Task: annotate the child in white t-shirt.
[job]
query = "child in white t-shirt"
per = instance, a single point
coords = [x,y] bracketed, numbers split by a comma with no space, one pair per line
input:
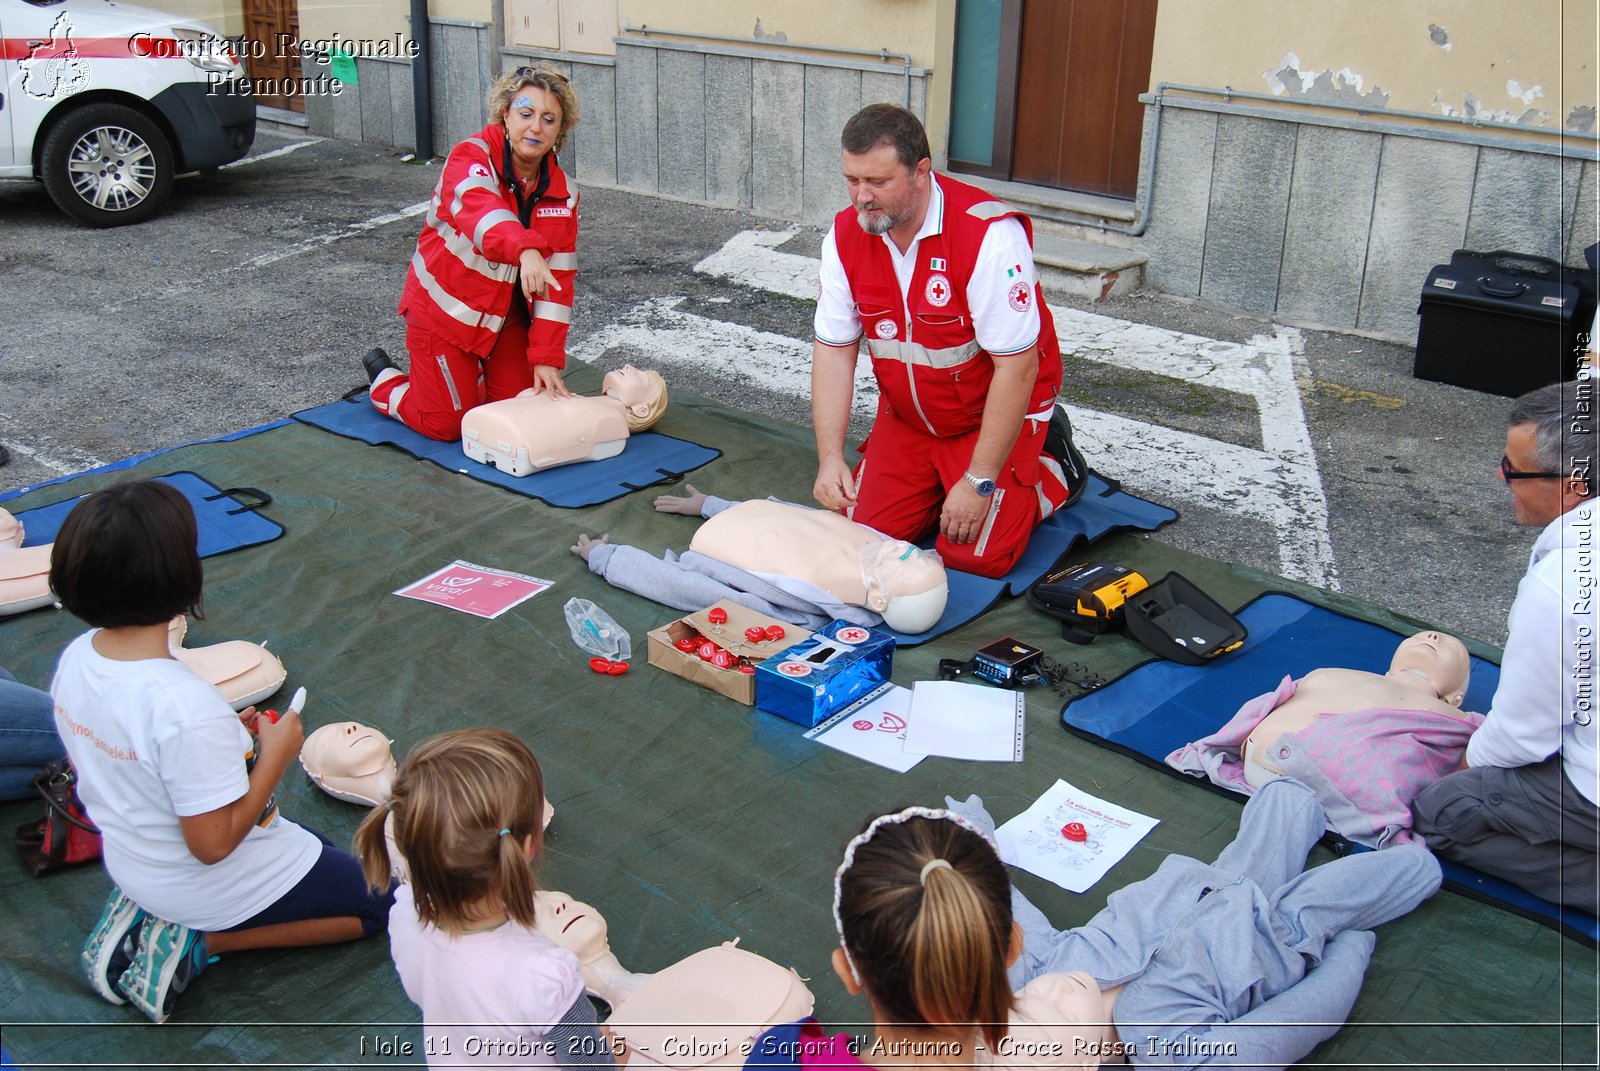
[202,861]
[467,818]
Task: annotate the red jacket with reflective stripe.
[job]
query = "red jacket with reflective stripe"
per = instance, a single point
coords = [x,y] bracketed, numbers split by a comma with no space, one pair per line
[930,368]
[462,278]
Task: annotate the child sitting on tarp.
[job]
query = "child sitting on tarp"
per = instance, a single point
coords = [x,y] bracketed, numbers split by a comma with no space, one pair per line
[1367,743]
[203,861]
[794,563]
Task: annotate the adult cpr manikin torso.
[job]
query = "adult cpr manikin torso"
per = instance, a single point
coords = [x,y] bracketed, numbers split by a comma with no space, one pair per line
[540,430]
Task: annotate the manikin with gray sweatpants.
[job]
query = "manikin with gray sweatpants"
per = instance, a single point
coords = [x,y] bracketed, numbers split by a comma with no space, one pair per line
[1251,954]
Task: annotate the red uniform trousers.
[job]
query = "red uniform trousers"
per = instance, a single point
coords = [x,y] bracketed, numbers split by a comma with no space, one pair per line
[446,380]
[904,474]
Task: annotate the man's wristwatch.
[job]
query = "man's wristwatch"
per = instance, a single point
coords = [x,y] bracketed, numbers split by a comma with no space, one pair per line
[980,485]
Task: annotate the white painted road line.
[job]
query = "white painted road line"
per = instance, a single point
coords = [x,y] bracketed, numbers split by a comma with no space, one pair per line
[57,457]
[318,241]
[269,155]
[1280,483]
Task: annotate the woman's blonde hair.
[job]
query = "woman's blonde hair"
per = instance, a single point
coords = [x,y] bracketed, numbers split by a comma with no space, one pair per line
[506,87]
[463,804]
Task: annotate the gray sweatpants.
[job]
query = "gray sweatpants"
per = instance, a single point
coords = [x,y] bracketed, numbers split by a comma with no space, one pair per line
[1526,824]
[1249,961]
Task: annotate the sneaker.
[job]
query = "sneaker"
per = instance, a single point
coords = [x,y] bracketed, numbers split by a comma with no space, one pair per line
[112,944]
[168,959]
[376,362]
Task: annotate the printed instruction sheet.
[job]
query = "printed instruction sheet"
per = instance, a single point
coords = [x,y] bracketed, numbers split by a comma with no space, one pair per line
[1035,839]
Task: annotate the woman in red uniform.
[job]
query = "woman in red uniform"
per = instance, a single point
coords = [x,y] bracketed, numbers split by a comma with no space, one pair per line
[488,298]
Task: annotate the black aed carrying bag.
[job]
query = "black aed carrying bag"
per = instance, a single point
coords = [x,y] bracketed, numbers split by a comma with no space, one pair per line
[1501,322]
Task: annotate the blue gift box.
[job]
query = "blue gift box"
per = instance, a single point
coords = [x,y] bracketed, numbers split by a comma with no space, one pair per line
[811,680]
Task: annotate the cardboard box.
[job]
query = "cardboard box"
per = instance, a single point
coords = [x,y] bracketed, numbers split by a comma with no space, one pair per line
[814,678]
[741,687]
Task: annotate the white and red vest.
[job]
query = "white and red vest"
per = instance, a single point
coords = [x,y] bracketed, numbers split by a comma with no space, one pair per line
[930,369]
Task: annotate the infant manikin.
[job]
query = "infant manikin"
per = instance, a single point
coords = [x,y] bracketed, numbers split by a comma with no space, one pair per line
[727,995]
[1429,671]
[535,431]
[351,762]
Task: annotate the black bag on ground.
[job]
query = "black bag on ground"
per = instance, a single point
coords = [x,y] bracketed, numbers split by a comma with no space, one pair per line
[1059,445]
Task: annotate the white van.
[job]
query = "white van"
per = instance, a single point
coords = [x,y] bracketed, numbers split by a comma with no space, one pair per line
[105,103]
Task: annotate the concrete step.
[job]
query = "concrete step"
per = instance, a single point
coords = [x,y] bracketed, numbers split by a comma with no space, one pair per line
[1086,270]
[280,121]
[1066,213]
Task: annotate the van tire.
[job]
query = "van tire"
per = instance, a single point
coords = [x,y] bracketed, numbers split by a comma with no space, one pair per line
[138,176]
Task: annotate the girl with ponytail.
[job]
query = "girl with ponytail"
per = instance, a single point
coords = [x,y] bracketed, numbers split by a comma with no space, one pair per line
[922,905]
[467,818]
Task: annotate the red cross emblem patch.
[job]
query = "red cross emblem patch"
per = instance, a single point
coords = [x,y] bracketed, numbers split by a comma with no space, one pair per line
[1019,296]
[937,290]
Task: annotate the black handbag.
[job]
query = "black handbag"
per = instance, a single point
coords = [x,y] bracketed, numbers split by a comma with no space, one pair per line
[64,837]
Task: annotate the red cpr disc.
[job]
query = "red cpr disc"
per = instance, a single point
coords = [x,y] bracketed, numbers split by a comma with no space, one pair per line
[1074,831]
[723,659]
[617,669]
[270,715]
[755,634]
[600,665]
[717,615]
[746,667]
[687,644]
[707,650]
[774,632]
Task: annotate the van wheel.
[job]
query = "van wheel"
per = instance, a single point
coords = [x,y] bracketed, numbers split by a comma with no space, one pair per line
[107,165]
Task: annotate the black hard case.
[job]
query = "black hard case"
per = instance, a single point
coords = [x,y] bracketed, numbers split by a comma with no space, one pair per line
[1500,322]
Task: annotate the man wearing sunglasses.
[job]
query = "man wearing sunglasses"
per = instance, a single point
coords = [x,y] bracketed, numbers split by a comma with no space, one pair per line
[1524,809]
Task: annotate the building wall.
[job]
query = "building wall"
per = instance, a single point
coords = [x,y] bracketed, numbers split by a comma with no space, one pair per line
[1334,221]
[1531,62]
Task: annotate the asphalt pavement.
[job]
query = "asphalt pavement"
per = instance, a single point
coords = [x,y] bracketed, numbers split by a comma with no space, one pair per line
[257,291]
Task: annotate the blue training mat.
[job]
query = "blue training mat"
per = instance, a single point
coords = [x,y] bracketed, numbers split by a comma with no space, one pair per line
[648,459]
[1159,706]
[226,522]
[1104,508]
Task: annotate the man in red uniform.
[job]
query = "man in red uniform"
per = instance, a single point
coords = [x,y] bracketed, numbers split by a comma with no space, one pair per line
[938,277]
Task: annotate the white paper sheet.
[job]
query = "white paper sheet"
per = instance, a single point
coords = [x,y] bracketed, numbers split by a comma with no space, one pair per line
[966,721]
[1033,839]
[874,730]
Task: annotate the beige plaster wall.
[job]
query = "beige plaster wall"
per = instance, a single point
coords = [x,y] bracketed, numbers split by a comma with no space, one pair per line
[381,19]
[1531,62]
[225,16]
[925,29]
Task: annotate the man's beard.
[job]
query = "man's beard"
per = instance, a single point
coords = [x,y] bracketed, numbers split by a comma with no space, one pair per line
[878,222]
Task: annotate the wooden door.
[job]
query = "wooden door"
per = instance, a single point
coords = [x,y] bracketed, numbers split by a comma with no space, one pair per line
[272,30]
[1081,68]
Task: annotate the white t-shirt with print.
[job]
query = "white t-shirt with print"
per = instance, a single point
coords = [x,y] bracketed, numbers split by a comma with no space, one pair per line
[152,741]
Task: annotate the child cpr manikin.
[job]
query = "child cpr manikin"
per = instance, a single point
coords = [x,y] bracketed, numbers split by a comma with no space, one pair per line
[530,432]
[24,571]
[726,995]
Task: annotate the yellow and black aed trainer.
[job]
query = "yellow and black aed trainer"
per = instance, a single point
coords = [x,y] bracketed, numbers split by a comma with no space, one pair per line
[1088,598]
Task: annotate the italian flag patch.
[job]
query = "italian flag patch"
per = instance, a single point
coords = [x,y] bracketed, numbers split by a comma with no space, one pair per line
[1013,271]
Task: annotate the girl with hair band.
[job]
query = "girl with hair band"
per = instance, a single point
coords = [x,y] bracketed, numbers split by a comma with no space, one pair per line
[203,862]
[922,905]
[468,810]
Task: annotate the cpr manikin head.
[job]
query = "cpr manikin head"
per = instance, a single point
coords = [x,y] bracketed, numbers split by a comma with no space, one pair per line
[643,393]
[905,583]
[350,761]
[573,925]
[1441,659]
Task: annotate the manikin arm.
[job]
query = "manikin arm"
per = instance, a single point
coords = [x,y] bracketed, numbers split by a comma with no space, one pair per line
[693,503]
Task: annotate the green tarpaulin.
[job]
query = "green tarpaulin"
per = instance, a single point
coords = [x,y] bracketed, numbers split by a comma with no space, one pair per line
[686,818]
